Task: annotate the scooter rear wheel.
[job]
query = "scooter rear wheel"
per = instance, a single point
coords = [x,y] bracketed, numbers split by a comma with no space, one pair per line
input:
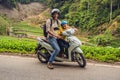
[42,55]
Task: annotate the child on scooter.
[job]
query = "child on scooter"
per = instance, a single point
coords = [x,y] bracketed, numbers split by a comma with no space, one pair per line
[62,43]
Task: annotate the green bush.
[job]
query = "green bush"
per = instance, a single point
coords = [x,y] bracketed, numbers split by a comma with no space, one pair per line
[22,45]
[103,54]
[90,13]
[27,46]
[103,39]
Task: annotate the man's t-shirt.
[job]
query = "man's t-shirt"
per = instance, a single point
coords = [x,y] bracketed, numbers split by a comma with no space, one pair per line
[54,26]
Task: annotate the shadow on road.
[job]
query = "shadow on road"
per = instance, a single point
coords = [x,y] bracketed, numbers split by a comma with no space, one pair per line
[66,65]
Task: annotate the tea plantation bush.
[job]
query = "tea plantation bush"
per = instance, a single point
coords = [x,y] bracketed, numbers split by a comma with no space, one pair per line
[104,54]
[10,44]
[24,46]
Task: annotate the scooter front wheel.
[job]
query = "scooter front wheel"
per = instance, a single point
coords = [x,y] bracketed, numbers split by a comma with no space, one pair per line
[80,59]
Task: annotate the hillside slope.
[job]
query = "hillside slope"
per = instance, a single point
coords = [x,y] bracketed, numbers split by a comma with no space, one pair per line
[23,10]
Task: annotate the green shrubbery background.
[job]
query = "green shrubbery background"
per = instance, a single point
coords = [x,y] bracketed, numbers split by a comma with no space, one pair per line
[27,46]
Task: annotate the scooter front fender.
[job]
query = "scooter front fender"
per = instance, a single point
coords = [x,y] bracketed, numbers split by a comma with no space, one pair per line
[78,50]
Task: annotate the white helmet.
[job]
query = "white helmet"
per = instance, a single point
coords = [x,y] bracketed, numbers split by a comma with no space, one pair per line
[55,11]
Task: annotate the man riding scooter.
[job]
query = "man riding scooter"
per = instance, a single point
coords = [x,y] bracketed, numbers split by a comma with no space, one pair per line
[44,49]
[52,36]
[47,51]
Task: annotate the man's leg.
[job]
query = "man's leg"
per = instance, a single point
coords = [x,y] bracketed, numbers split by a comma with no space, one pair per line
[56,48]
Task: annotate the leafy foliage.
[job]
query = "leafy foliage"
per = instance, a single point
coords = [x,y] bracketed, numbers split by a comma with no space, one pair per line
[104,54]
[90,13]
[91,16]
[103,39]
[21,45]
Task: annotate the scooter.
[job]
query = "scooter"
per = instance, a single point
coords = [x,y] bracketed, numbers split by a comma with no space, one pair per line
[75,54]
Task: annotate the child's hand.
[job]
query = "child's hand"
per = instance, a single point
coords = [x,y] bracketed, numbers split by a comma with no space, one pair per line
[59,37]
[75,29]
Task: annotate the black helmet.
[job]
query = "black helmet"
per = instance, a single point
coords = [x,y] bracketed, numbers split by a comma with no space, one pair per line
[55,11]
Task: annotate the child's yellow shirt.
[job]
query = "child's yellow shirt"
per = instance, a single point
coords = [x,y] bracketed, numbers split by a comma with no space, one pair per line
[60,32]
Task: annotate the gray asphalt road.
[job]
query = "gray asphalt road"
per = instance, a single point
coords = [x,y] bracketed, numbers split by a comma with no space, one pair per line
[24,68]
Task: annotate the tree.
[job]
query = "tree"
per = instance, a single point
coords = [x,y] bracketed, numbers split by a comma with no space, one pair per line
[111,3]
